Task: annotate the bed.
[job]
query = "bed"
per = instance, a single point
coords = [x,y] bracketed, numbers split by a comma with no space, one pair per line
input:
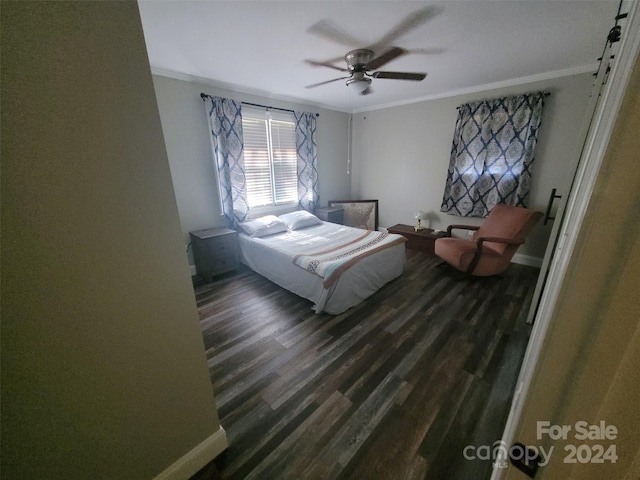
[367,260]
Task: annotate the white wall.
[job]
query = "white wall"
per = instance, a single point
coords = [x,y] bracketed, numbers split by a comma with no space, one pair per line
[401,154]
[185,127]
[104,372]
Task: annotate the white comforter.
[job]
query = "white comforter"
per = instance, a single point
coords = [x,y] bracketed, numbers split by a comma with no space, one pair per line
[272,257]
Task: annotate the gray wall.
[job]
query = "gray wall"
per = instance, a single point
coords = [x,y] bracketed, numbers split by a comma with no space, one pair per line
[103,366]
[185,127]
[401,154]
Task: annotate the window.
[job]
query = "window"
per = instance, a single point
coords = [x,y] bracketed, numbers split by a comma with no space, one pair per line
[270,160]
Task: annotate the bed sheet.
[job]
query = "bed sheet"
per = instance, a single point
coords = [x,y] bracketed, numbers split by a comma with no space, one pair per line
[272,257]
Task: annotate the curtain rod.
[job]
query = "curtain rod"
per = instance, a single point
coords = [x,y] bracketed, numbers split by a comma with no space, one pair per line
[546,94]
[202,95]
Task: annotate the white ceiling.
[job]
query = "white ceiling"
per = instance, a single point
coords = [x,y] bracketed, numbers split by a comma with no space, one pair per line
[259,47]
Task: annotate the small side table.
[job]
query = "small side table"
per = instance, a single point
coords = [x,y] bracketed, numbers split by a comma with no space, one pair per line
[330,214]
[422,240]
[215,251]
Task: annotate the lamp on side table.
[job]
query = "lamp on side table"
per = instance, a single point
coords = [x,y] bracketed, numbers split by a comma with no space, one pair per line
[419,216]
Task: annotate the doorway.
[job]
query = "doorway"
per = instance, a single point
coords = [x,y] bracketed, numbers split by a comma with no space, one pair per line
[605,113]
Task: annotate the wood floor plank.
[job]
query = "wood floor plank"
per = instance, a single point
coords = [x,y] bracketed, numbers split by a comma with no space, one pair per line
[356,429]
[442,462]
[286,386]
[409,422]
[390,389]
[488,429]
[386,346]
[291,458]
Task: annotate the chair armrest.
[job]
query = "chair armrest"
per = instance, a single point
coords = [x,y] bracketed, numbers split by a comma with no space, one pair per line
[476,258]
[460,227]
[508,241]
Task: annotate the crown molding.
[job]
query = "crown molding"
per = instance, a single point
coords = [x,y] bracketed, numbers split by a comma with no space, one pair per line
[451,93]
[489,86]
[241,89]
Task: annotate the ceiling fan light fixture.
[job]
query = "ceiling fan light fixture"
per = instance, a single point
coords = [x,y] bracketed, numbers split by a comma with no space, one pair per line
[358,85]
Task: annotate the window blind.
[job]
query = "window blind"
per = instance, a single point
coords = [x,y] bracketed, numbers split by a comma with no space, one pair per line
[270,158]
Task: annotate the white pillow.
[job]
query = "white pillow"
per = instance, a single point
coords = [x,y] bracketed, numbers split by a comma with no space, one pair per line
[263,226]
[300,219]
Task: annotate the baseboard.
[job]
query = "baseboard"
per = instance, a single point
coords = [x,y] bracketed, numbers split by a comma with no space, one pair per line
[190,463]
[527,260]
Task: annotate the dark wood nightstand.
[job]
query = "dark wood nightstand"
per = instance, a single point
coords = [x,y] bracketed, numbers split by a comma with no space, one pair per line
[215,251]
[422,240]
[330,214]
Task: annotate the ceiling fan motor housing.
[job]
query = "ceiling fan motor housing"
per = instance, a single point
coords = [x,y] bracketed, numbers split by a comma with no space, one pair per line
[357,59]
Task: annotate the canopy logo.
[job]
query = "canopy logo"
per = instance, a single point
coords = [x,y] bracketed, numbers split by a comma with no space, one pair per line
[499,454]
[584,450]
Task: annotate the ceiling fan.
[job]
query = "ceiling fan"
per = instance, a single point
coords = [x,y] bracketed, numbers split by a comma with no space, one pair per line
[362,62]
[360,66]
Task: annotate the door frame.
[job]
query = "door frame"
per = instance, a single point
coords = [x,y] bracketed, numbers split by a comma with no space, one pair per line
[588,169]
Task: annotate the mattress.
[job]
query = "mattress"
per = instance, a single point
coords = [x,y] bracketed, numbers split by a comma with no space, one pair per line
[272,257]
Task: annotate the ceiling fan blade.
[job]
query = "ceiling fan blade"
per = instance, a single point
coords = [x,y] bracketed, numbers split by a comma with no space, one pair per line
[425,51]
[324,83]
[410,22]
[325,64]
[385,58]
[400,75]
[410,51]
[329,30]
[335,59]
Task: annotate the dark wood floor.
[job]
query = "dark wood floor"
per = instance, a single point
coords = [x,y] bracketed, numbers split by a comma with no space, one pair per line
[394,388]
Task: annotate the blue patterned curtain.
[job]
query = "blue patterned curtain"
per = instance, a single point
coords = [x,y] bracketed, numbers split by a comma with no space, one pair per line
[307,151]
[225,122]
[492,154]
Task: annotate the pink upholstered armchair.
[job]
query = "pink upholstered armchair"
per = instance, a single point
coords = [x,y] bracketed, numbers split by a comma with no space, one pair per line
[493,244]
